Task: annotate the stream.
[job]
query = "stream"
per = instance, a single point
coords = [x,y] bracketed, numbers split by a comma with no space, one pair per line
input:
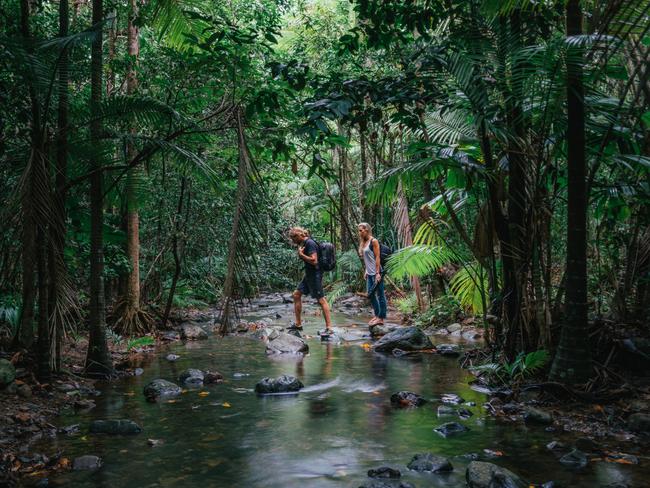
[339,426]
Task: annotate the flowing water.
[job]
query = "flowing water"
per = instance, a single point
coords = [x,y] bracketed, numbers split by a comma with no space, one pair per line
[329,435]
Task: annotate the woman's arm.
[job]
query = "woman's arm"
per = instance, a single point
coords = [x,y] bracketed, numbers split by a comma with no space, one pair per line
[375,248]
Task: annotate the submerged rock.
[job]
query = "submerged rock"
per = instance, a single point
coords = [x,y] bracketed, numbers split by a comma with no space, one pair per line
[172,357]
[115,427]
[537,416]
[430,462]
[283,384]
[212,377]
[404,338]
[575,459]
[451,398]
[7,372]
[449,350]
[193,332]
[387,484]
[384,472]
[161,389]
[487,475]
[639,422]
[286,344]
[406,399]
[191,377]
[450,428]
[85,463]
[446,410]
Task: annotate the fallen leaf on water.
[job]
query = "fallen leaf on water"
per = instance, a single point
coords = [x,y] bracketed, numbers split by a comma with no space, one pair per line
[184,391]
[124,451]
[204,393]
[84,438]
[172,401]
[366,346]
[129,393]
[226,405]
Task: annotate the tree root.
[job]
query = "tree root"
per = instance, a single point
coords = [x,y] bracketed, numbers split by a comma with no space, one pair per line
[131,321]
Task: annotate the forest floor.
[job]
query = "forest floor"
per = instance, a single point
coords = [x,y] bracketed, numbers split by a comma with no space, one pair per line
[606,425]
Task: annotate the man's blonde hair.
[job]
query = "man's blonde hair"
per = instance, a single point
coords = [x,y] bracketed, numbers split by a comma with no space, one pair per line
[298,231]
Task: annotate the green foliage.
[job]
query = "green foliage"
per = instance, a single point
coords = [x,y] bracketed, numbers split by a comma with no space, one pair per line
[470,287]
[408,304]
[139,342]
[522,368]
[444,310]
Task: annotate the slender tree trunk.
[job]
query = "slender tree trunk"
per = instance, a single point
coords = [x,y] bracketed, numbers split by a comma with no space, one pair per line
[405,233]
[25,334]
[98,360]
[365,213]
[44,366]
[176,253]
[572,362]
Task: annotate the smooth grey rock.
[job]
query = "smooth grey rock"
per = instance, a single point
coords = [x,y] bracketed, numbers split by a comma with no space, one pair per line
[161,389]
[191,376]
[487,475]
[381,330]
[451,398]
[446,410]
[470,335]
[405,339]
[430,462]
[463,413]
[639,422]
[537,416]
[450,428]
[86,463]
[7,372]
[384,472]
[283,384]
[404,399]
[575,459]
[115,427]
[286,344]
[193,332]
[454,327]
[172,357]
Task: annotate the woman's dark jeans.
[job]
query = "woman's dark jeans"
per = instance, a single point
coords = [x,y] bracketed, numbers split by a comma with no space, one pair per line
[378,298]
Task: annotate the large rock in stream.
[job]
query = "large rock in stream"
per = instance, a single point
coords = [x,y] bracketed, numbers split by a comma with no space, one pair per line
[7,372]
[192,377]
[405,339]
[193,332]
[431,463]
[286,344]
[406,399]
[283,384]
[161,389]
[487,475]
[115,427]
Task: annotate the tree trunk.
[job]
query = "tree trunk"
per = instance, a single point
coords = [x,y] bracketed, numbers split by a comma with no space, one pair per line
[405,234]
[175,251]
[98,360]
[572,362]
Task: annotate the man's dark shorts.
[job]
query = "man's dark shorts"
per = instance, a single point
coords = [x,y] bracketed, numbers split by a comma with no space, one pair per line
[312,284]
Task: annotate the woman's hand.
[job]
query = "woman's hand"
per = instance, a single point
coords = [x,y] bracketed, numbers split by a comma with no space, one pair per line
[377,277]
[365,275]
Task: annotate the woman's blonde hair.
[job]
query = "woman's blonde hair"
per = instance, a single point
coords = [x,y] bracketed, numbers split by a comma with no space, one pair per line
[365,226]
[298,231]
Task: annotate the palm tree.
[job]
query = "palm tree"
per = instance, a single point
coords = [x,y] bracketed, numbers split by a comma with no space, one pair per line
[98,360]
[572,362]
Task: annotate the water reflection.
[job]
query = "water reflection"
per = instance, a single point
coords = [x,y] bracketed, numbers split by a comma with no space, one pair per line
[329,435]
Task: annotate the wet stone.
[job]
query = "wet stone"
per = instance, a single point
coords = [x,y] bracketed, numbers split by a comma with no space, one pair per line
[24,391]
[384,472]
[283,384]
[191,377]
[193,332]
[212,377]
[115,427]
[7,372]
[161,389]
[446,410]
[454,327]
[555,446]
[387,484]
[451,398]
[450,428]
[405,399]
[138,372]
[537,416]
[430,462]
[449,350]
[172,357]
[463,413]
[86,463]
[286,344]
[481,474]
[405,339]
[575,459]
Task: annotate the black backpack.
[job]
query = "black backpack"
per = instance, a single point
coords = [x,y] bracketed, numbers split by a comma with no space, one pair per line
[384,253]
[326,256]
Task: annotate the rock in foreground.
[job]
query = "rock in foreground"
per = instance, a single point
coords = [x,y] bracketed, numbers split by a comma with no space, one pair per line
[487,475]
[431,463]
[115,427]
[405,339]
[160,389]
[283,384]
[286,344]
[405,399]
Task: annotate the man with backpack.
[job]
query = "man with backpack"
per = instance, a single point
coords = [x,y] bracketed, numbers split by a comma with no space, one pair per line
[312,283]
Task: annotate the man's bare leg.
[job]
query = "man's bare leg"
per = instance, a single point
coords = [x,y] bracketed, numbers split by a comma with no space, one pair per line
[326,312]
[297,307]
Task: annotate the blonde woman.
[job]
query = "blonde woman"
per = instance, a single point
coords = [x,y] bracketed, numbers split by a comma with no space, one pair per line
[312,283]
[369,249]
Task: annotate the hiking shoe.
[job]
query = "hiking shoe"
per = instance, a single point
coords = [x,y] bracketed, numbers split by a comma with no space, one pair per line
[293,326]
